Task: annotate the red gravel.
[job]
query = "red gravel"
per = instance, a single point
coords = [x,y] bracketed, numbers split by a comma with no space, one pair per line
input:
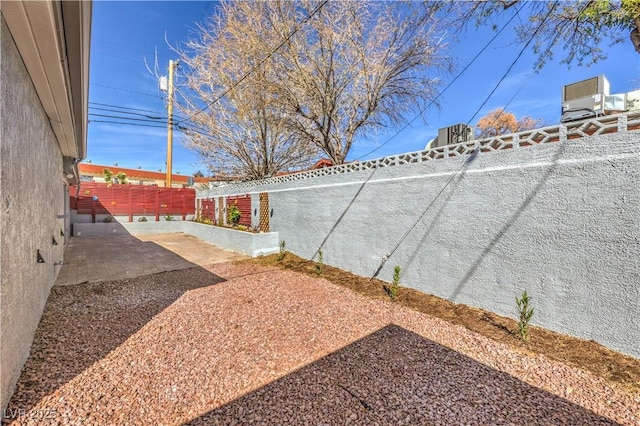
[239,344]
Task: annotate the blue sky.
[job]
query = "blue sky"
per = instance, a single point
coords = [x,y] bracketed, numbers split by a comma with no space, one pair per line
[124,33]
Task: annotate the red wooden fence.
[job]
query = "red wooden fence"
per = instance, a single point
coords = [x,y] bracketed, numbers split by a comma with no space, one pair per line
[130,200]
[208,210]
[244,205]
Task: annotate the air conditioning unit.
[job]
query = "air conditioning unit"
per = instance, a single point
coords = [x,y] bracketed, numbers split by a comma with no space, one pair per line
[584,99]
[453,134]
[633,100]
[615,103]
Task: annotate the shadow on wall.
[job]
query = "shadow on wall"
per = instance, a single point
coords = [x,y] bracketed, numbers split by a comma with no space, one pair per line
[465,165]
[509,223]
[392,376]
[83,323]
[343,214]
[498,236]
[455,178]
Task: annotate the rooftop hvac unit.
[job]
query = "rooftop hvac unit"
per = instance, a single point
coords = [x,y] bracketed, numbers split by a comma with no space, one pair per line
[453,134]
[622,102]
[633,100]
[584,99]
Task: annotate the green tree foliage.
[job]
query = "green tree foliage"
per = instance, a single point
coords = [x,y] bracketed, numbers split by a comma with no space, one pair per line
[122,178]
[580,27]
[108,175]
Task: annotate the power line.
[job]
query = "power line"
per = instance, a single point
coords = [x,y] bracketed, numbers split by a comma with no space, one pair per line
[474,148]
[124,118]
[127,112]
[122,107]
[127,50]
[124,90]
[485,47]
[259,64]
[143,123]
[186,121]
[127,124]
[514,62]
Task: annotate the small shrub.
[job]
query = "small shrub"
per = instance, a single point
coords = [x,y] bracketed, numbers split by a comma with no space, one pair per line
[142,219]
[234,214]
[320,263]
[283,251]
[524,315]
[168,218]
[394,288]
[207,221]
[108,175]
[108,219]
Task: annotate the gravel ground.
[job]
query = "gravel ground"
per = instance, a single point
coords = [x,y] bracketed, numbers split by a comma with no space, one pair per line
[237,344]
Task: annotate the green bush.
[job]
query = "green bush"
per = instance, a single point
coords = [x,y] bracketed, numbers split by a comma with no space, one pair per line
[234,214]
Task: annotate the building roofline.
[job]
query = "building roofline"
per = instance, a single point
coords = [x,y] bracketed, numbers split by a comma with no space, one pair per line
[97,169]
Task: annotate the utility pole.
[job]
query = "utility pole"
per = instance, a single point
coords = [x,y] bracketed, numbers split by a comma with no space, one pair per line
[172,66]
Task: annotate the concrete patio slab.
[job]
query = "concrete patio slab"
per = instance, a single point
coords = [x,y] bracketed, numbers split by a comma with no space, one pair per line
[94,259]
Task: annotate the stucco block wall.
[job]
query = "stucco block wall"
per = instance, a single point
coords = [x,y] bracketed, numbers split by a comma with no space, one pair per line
[31,214]
[561,220]
[246,243]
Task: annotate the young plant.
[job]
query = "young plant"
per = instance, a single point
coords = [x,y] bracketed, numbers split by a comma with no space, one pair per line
[282,252]
[394,288]
[524,313]
[168,218]
[234,214]
[319,263]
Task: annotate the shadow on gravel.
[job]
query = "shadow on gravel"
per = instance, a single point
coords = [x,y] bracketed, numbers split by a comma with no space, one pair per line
[83,323]
[394,376]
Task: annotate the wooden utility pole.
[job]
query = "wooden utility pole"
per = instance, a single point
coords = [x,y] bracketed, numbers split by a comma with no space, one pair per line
[172,66]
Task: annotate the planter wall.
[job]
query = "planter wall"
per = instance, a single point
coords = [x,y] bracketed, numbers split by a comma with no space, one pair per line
[242,242]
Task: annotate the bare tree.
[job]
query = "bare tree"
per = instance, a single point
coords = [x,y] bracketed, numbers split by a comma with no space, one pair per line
[299,77]
[354,67]
[240,129]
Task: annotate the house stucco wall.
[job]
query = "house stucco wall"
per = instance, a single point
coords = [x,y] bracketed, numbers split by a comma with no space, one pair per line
[31,214]
[561,220]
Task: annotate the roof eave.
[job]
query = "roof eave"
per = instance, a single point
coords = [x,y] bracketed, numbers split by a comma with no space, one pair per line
[53,39]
